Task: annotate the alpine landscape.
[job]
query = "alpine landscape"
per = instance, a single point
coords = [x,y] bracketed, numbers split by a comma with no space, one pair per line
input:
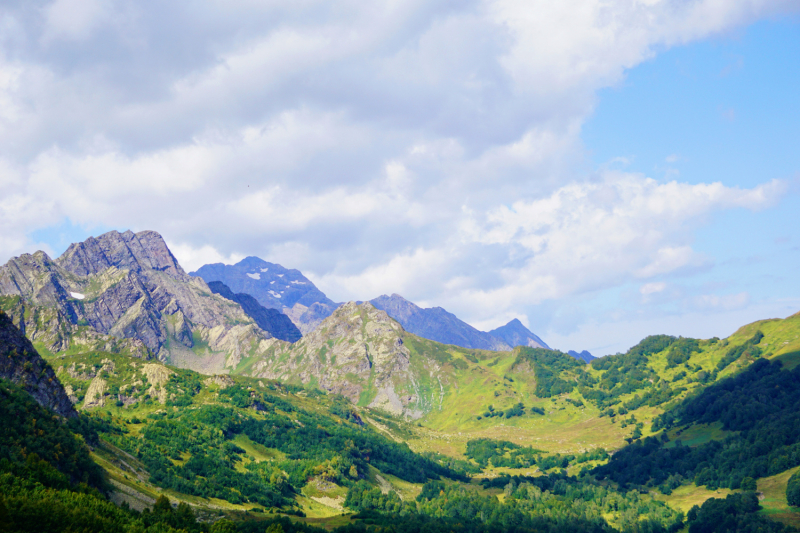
[488,266]
[130,387]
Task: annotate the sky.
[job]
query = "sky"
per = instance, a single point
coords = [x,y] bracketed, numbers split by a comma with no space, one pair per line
[601,170]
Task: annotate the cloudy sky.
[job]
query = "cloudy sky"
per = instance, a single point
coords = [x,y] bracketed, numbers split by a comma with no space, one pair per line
[602,170]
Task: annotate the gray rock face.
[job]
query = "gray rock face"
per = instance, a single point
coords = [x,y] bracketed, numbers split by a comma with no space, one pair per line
[361,353]
[22,364]
[126,291]
[584,356]
[136,252]
[515,334]
[270,320]
[437,324]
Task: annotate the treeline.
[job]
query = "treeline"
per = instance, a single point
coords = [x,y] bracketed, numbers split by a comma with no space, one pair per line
[625,373]
[759,405]
[501,453]
[551,503]
[737,512]
[545,503]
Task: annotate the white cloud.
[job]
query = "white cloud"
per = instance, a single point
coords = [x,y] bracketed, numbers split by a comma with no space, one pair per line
[429,148]
[652,288]
[193,258]
[727,302]
[74,19]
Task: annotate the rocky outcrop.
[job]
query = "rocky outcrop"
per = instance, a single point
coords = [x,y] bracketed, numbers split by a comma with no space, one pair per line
[515,334]
[272,321]
[437,324]
[157,377]
[22,364]
[126,293]
[361,353]
[95,394]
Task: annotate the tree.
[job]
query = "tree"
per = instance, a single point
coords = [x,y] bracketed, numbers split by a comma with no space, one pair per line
[793,490]
[748,483]
[224,526]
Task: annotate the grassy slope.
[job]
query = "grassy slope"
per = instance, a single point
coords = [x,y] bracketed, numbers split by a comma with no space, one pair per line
[687,496]
[566,428]
[774,502]
[128,474]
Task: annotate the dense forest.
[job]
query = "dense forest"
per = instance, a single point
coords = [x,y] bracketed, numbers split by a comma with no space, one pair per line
[758,407]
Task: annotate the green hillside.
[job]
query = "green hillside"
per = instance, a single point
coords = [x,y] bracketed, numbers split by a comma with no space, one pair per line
[530,439]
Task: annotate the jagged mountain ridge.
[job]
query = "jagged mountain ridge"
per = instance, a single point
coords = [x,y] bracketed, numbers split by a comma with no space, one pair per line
[271,320]
[437,324]
[288,290]
[275,287]
[22,364]
[126,292]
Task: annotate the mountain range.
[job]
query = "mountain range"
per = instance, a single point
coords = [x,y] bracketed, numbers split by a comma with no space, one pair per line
[289,291]
[126,293]
[364,417]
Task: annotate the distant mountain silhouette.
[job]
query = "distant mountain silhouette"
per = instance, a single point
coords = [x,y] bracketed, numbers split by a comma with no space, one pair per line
[515,334]
[436,324]
[583,356]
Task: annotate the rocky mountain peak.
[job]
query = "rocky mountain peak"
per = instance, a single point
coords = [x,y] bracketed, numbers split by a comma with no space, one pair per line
[126,291]
[275,287]
[359,352]
[136,252]
[270,320]
[516,334]
[271,284]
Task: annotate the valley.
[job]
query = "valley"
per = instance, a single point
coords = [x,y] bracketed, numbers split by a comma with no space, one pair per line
[172,389]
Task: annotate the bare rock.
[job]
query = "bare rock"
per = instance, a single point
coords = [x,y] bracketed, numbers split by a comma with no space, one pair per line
[22,364]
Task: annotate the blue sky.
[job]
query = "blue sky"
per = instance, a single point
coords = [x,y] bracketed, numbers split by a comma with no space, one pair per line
[600,170]
[723,109]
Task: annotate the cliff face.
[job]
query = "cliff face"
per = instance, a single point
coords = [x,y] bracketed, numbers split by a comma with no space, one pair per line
[361,353]
[271,320]
[125,292]
[22,364]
